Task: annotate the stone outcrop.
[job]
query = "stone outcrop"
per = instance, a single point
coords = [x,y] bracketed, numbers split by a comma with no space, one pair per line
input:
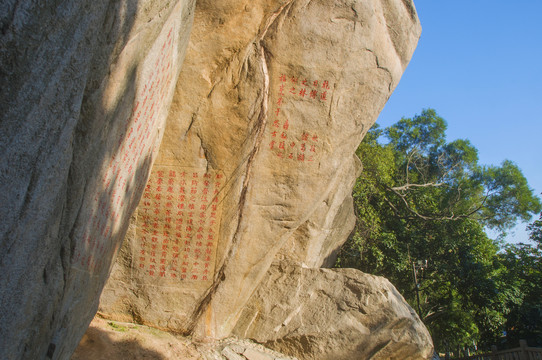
[333,314]
[117,340]
[254,165]
[257,161]
[86,88]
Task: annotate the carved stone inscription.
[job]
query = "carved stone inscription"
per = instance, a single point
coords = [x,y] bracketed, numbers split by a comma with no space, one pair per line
[177,225]
[285,141]
[136,141]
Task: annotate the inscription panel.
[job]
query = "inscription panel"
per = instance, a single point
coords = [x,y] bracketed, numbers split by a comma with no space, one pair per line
[123,175]
[177,225]
[286,140]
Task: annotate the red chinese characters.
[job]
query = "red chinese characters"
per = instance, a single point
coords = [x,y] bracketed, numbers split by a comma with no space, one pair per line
[302,89]
[292,143]
[179,245]
[120,178]
[285,145]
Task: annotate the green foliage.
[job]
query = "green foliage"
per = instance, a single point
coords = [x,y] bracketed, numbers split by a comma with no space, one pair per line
[536,231]
[511,198]
[117,327]
[422,198]
[524,263]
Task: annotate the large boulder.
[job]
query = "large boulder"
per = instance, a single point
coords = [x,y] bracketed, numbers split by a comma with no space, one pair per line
[86,88]
[257,162]
[333,314]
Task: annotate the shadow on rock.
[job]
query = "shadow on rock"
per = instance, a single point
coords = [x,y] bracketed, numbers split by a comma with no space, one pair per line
[100,344]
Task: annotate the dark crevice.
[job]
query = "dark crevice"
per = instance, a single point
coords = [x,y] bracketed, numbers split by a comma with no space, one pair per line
[259,131]
[378,66]
[409,5]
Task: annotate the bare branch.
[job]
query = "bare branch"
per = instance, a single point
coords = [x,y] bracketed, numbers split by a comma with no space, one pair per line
[440,310]
[439,217]
[408,186]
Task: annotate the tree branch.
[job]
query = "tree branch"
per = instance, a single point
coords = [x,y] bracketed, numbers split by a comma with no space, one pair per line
[408,186]
[417,215]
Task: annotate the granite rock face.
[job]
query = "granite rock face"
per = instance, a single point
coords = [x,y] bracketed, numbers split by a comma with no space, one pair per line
[254,165]
[333,314]
[118,340]
[257,161]
[86,87]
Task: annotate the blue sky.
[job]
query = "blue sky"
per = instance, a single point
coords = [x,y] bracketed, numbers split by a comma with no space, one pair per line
[479,65]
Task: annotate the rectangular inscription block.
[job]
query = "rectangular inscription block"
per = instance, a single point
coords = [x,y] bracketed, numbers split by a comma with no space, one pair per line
[286,139]
[177,225]
[112,198]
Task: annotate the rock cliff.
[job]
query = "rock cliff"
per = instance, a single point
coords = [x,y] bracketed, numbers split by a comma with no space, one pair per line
[257,162]
[86,88]
[240,167]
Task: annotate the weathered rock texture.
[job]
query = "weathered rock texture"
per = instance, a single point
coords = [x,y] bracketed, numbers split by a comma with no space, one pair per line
[86,88]
[106,340]
[257,162]
[333,314]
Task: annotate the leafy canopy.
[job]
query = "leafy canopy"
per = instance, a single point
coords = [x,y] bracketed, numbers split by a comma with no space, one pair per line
[423,198]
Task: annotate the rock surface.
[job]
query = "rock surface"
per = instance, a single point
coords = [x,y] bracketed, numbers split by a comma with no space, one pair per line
[106,340]
[86,88]
[257,162]
[111,340]
[333,314]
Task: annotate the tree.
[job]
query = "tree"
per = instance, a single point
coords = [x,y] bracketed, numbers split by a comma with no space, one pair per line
[422,198]
[429,168]
[536,231]
[524,265]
